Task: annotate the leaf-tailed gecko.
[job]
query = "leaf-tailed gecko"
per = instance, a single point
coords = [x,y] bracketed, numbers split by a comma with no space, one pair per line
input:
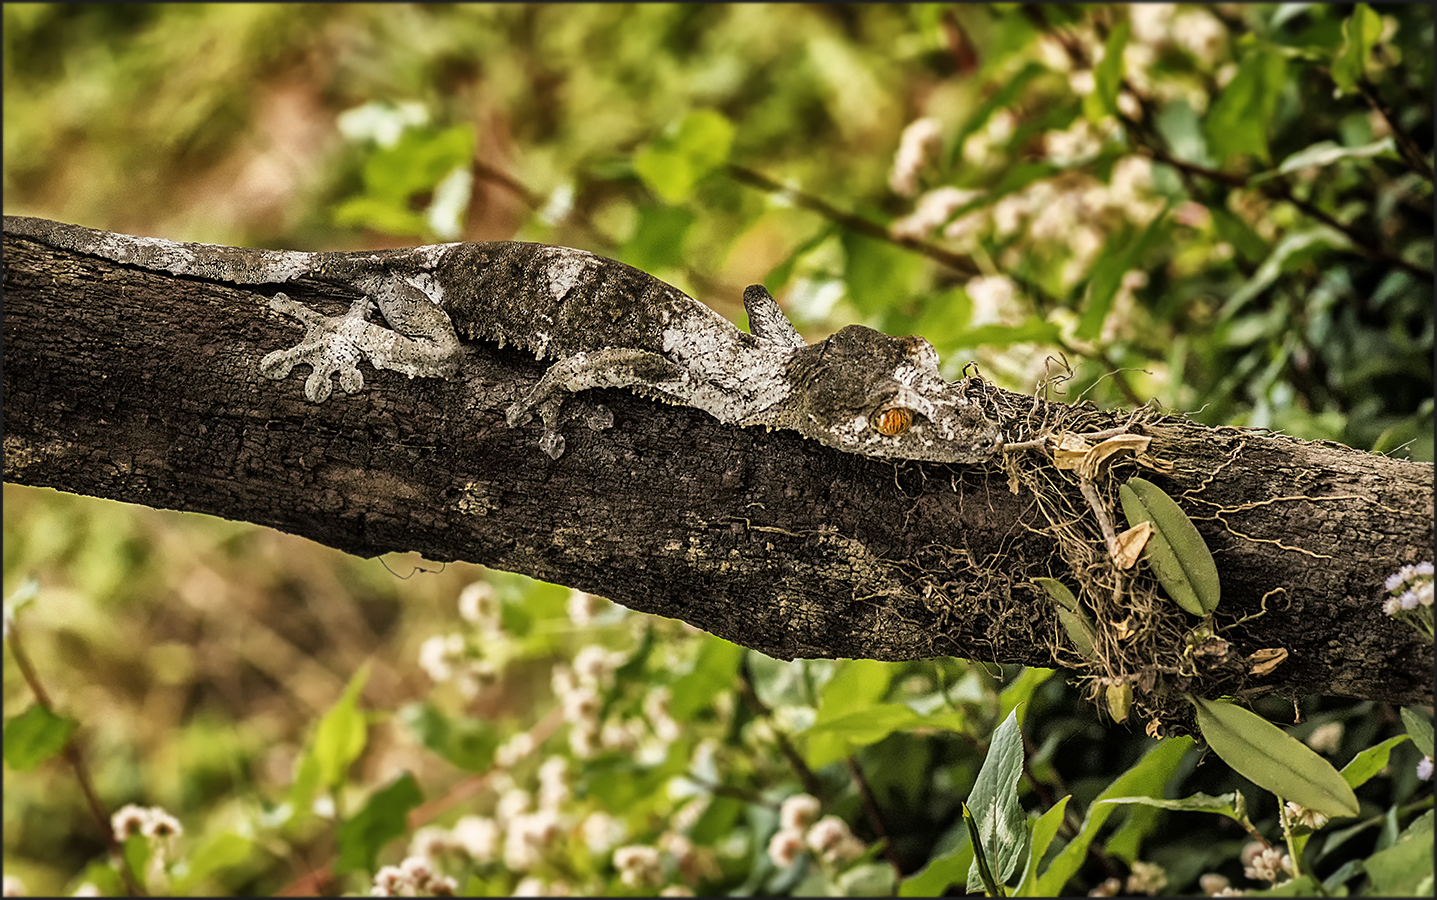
[605,324]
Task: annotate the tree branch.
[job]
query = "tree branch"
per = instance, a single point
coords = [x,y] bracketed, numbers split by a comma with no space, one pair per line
[143,387]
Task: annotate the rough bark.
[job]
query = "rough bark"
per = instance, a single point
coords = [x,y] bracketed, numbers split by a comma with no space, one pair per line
[142,387]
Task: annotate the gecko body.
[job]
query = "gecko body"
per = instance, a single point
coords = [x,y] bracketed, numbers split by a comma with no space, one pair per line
[603,323]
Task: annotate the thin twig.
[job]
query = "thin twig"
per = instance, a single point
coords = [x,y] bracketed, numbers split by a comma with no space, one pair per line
[72,755]
[959,263]
[874,814]
[1409,148]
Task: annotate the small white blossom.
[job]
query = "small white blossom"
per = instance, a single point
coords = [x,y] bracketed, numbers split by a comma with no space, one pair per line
[920,142]
[528,837]
[594,666]
[511,804]
[478,836]
[1213,884]
[602,832]
[391,881]
[638,865]
[798,812]
[1310,818]
[514,749]
[1200,33]
[438,655]
[584,740]
[1110,887]
[582,607]
[1424,768]
[128,821]
[88,889]
[430,842]
[931,211]
[1268,864]
[14,887]
[1147,878]
[830,838]
[1327,737]
[677,890]
[785,847]
[581,706]
[479,606]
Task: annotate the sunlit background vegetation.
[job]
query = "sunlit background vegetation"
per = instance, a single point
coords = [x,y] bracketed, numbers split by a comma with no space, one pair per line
[1222,209]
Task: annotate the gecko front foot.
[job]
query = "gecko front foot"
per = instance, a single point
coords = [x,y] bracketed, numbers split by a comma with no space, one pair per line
[331,345]
[549,407]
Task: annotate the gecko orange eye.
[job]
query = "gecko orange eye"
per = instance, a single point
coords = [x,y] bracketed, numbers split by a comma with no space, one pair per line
[893,421]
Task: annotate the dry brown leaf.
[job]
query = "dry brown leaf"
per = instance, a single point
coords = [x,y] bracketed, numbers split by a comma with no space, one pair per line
[1100,454]
[1131,544]
[1265,660]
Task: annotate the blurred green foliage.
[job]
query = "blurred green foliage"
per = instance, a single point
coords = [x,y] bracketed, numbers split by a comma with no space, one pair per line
[1224,208]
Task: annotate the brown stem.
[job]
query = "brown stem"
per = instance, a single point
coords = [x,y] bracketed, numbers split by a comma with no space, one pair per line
[874,814]
[72,755]
[956,261]
[1409,148]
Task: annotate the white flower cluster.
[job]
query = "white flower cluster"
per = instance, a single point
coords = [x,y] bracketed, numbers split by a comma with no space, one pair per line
[918,145]
[828,838]
[415,877]
[447,657]
[150,821]
[1301,815]
[638,865]
[1146,878]
[1411,596]
[1265,863]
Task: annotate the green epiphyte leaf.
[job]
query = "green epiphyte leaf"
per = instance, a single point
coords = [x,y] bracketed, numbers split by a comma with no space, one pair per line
[1075,621]
[1176,551]
[1273,759]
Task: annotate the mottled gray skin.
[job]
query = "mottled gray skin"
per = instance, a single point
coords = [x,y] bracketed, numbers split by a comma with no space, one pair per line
[604,323]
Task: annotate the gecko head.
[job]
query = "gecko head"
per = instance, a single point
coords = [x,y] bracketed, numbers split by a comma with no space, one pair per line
[862,391]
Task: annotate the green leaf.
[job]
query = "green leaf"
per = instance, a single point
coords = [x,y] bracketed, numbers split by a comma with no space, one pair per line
[856,685]
[466,743]
[1118,258]
[215,851]
[997,815]
[835,739]
[341,734]
[1272,759]
[779,275]
[1360,33]
[1147,777]
[878,274]
[946,868]
[1021,691]
[1177,553]
[1238,121]
[713,674]
[1295,249]
[1222,804]
[658,241]
[384,817]
[1369,762]
[34,736]
[1405,868]
[982,871]
[1043,832]
[1325,153]
[1108,76]
[1002,98]
[1231,228]
[1419,726]
[1033,330]
[673,164]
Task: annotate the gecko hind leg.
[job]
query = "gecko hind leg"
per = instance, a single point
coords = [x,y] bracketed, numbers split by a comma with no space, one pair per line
[614,367]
